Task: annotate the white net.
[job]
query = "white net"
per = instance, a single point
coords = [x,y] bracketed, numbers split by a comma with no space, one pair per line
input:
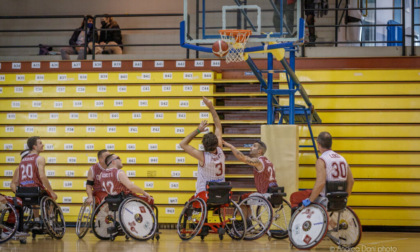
[236,40]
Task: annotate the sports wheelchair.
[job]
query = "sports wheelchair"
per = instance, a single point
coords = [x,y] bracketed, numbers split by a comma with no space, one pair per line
[125,215]
[309,225]
[268,213]
[194,218]
[84,218]
[51,215]
[9,221]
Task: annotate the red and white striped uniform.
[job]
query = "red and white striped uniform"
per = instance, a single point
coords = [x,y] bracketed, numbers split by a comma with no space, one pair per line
[110,182]
[28,172]
[213,169]
[336,167]
[263,178]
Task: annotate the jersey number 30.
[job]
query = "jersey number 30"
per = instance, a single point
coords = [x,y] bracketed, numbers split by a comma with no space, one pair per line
[340,170]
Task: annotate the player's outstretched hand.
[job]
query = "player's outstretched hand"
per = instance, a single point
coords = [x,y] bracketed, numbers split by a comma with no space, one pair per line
[203,125]
[208,103]
[227,144]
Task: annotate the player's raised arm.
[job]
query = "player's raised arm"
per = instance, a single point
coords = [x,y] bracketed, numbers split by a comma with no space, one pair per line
[216,119]
[241,157]
[185,143]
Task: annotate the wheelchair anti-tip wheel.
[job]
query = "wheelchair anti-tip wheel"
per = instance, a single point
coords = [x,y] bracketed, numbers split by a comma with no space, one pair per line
[308,226]
[84,219]
[137,219]
[192,219]
[8,223]
[258,214]
[234,219]
[348,232]
[53,217]
[102,219]
[281,218]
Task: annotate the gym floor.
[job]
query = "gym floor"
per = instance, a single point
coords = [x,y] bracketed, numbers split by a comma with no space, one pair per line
[169,241]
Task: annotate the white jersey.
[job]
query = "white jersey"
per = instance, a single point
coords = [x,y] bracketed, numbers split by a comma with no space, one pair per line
[213,169]
[336,167]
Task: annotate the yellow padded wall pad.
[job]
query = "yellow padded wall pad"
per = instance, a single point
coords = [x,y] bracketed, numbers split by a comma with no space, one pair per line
[282,151]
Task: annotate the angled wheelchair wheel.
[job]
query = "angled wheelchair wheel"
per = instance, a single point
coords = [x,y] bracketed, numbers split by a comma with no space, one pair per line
[308,226]
[137,219]
[234,220]
[348,232]
[102,219]
[258,214]
[9,221]
[84,219]
[281,218]
[192,219]
[53,218]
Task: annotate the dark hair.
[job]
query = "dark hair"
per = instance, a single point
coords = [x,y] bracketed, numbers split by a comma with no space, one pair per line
[32,141]
[86,18]
[101,152]
[262,147]
[325,140]
[107,159]
[210,141]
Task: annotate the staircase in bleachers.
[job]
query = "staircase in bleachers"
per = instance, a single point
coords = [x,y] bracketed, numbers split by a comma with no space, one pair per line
[141,111]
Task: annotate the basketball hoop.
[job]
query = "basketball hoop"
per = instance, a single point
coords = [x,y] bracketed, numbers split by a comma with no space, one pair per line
[236,39]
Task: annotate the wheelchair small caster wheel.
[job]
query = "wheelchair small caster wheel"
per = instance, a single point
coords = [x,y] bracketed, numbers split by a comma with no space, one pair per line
[202,237]
[126,237]
[22,241]
[33,235]
[112,238]
[157,237]
[220,237]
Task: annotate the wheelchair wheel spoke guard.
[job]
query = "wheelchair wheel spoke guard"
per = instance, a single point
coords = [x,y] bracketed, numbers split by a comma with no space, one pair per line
[308,226]
[137,219]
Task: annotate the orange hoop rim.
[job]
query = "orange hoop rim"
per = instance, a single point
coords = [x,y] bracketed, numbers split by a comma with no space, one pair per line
[240,36]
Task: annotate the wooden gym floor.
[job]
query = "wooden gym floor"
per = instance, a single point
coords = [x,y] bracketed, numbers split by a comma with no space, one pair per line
[170,242]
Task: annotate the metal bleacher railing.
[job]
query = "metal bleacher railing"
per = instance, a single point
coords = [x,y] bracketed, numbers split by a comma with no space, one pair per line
[57,17]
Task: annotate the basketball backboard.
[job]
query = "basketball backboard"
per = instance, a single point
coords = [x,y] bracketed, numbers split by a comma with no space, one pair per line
[269,20]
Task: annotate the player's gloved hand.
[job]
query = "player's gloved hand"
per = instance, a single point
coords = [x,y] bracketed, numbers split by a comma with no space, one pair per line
[306,202]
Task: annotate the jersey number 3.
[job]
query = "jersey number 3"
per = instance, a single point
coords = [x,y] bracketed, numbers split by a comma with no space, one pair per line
[219,168]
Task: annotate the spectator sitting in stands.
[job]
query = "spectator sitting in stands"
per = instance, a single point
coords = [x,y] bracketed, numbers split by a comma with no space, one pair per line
[77,40]
[109,37]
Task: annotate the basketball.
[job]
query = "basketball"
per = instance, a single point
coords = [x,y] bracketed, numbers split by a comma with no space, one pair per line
[220,48]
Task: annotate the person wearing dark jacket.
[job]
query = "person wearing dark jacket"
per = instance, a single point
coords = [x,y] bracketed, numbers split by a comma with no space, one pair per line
[78,40]
[110,39]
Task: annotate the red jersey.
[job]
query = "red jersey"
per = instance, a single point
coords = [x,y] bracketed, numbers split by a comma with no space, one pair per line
[110,182]
[96,172]
[28,172]
[265,177]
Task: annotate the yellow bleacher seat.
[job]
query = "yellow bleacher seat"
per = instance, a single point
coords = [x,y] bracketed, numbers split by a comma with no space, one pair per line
[106,90]
[55,130]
